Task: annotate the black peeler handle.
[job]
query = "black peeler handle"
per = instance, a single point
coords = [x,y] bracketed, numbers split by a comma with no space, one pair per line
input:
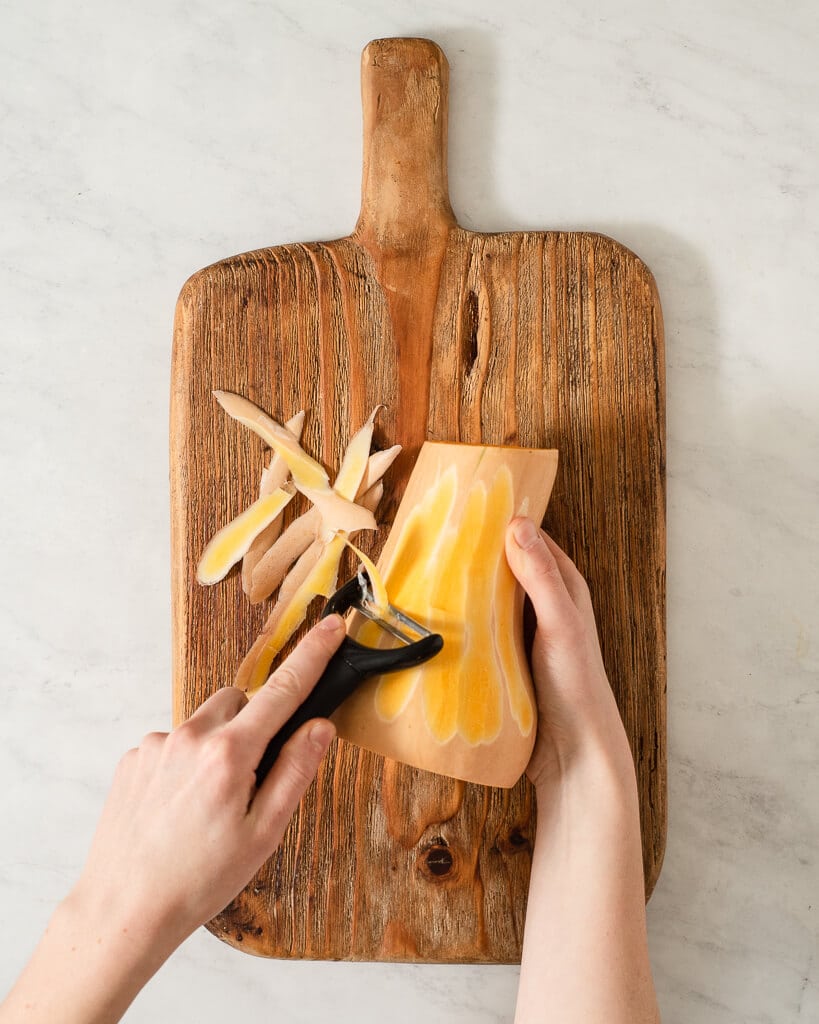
[350,666]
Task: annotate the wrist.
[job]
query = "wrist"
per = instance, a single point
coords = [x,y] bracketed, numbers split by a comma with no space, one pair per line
[594,785]
[588,831]
[141,935]
[89,965]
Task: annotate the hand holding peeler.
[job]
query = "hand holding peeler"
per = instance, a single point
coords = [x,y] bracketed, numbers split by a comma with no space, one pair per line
[353,663]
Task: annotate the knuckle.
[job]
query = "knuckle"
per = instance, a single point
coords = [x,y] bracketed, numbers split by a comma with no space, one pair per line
[152,741]
[127,762]
[220,707]
[298,767]
[291,786]
[580,590]
[284,682]
[184,735]
[229,696]
[225,704]
[235,695]
[222,750]
[275,819]
[300,775]
[223,778]
[567,632]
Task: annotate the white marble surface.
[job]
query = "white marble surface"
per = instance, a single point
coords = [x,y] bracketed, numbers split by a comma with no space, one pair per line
[142,141]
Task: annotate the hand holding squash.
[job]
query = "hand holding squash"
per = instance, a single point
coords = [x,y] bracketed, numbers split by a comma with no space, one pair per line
[578,719]
[585,951]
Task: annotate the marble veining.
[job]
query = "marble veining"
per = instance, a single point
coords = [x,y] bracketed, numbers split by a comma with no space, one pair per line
[141,142]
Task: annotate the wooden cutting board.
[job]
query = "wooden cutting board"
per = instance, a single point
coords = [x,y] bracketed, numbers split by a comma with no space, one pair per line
[538,338]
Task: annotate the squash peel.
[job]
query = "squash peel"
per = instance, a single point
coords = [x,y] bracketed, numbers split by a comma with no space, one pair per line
[270,569]
[311,546]
[309,476]
[379,591]
[274,475]
[233,540]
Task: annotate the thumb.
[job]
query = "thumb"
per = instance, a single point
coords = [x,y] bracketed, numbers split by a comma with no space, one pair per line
[291,774]
[537,571]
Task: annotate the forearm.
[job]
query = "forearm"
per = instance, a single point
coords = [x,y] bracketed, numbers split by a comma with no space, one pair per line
[89,966]
[585,952]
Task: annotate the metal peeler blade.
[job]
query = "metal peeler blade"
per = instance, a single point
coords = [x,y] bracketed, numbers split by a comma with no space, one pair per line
[353,663]
[364,603]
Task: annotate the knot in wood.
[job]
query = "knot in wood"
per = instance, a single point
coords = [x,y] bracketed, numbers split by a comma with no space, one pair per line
[439,860]
[517,841]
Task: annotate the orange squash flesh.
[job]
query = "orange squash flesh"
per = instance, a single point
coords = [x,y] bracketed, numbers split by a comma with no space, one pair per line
[470,712]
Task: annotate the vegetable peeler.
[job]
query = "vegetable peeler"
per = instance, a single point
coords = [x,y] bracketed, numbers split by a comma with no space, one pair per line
[353,663]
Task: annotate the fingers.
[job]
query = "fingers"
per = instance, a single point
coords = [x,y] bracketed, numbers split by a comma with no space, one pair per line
[535,565]
[293,771]
[219,709]
[287,687]
[572,577]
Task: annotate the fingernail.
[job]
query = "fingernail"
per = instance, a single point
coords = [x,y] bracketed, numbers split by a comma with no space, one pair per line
[525,533]
[321,734]
[332,624]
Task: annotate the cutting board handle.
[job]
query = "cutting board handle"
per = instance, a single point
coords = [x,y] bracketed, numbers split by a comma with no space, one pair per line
[404,191]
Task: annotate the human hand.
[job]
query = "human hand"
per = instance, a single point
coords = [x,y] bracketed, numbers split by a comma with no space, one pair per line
[585,951]
[184,828]
[578,717]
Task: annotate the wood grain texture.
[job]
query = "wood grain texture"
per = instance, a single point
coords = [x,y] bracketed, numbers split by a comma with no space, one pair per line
[540,339]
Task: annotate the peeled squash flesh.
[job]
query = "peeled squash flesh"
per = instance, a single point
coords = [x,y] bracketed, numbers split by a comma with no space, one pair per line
[233,540]
[470,712]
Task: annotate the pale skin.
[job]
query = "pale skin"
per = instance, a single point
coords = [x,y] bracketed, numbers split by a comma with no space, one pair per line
[585,950]
[184,829]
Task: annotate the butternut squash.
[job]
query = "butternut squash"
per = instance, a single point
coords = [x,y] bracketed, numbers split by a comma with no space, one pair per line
[470,713]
